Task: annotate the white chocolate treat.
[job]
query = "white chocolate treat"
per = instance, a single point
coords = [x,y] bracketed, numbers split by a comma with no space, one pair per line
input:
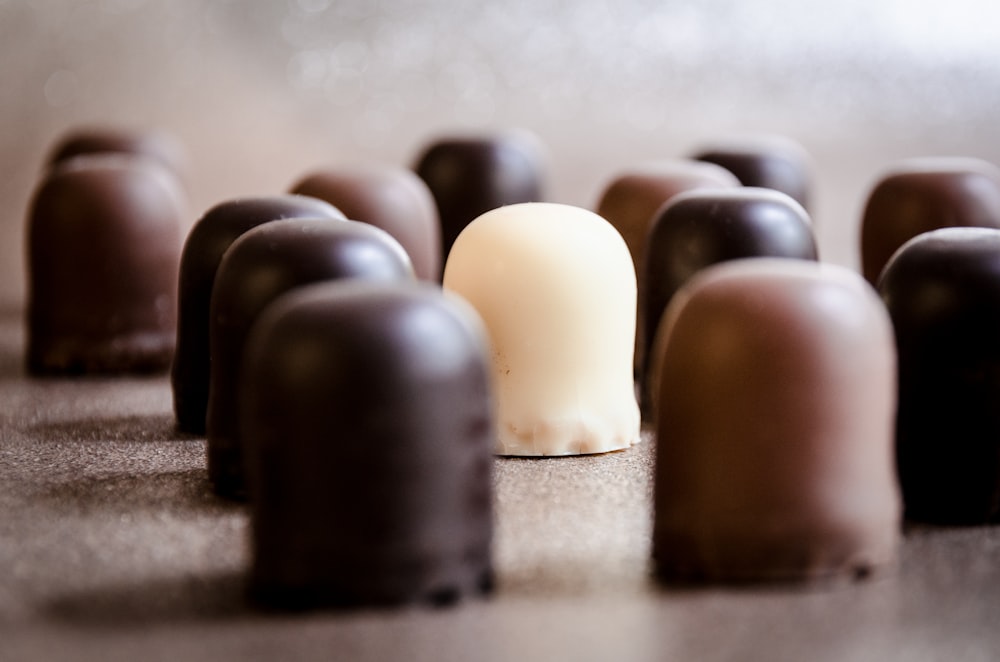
[556,288]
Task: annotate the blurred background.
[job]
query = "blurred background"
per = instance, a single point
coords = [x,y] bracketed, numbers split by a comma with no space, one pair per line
[261,91]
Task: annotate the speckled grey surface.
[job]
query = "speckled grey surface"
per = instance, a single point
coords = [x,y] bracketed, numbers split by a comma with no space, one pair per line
[113,548]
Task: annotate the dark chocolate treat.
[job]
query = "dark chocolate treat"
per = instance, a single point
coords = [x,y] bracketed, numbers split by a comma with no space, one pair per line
[921,195]
[368,420]
[157,145]
[104,239]
[942,290]
[393,199]
[699,228]
[630,203]
[472,175]
[775,408]
[631,200]
[262,264]
[772,162]
[207,242]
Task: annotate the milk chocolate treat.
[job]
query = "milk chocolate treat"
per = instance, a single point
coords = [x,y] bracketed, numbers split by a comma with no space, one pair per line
[207,242]
[393,199]
[472,175]
[262,264]
[773,162]
[556,288]
[157,145]
[699,228]
[921,195]
[774,426]
[104,240]
[942,290]
[369,428]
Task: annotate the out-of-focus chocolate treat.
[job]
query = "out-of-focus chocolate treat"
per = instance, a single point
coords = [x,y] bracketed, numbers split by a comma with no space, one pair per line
[472,175]
[262,264]
[157,145]
[776,403]
[773,162]
[921,195]
[556,289]
[206,244]
[368,420]
[942,290]
[630,202]
[394,199]
[700,228]
[104,238]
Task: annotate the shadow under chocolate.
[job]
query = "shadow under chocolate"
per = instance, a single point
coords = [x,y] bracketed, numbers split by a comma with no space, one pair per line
[572,579]
[130,493]
[217,597]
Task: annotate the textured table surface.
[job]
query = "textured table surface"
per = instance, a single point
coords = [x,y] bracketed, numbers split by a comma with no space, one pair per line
[112,547]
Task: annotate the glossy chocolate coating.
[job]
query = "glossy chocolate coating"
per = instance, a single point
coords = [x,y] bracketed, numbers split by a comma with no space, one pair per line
[472,175]
[157,145]
[104,242]
[631,200]
[394,199]
[770,162]
[369,429]
[206,243]
[774,427]
[630,203]
[699,228]
[262,264]
[942,290]
[923,195]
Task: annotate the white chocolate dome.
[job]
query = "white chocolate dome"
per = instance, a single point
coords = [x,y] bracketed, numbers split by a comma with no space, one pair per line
[556,288]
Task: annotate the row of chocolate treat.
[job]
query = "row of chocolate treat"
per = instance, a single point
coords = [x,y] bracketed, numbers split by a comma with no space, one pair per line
[358,404]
